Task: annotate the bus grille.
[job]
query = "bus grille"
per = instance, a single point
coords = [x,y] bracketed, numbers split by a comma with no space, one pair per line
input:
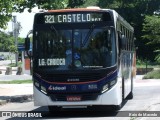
[63,97]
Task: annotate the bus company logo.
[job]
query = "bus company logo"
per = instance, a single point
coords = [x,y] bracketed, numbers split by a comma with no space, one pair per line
[73,79]
[56,88]
[50,87]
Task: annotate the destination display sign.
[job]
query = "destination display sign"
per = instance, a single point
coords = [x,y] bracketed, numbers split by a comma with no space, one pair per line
[78,17]
[72,18]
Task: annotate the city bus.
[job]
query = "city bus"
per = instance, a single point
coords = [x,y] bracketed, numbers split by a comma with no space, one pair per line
[82,58]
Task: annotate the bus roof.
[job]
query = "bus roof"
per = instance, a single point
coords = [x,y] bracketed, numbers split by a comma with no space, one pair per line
[74,9]
[92,9]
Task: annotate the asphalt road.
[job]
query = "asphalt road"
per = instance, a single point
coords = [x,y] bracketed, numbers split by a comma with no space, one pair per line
[146,98]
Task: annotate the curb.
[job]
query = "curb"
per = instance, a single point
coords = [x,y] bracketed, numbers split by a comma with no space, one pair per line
[17,98]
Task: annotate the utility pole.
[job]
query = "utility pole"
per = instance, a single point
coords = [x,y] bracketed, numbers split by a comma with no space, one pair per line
[16,28]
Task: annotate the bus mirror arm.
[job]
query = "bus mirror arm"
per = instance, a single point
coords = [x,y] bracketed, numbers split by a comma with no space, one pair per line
[27,44]
[27,47]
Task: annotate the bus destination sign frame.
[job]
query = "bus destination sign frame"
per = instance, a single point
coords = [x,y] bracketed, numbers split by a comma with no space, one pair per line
[72,18]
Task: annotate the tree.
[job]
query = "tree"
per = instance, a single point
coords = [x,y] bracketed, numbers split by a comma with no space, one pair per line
[42,4]
[75,3]
[151,29]
[6,8]
[48,4]
[7,43]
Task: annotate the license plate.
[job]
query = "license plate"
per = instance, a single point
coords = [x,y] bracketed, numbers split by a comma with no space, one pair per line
[73,98]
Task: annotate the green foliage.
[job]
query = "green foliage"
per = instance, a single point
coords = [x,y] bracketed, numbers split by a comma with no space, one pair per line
[89,3]
[7,43]
[152,75]
[9,6]
[75,3]
[21,40]
[140,62]
[16,82]
[157,58]
[151,28]
[42,4]
[14,64]
[6,8]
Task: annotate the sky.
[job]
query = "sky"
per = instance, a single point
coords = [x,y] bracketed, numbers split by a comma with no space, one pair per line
[26,21]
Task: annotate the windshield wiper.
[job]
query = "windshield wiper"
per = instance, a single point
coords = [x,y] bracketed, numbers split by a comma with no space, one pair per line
[54,29]
[88,35]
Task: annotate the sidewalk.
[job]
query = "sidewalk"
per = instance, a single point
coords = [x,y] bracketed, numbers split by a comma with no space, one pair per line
[15,92]
[139,81]
[26,75]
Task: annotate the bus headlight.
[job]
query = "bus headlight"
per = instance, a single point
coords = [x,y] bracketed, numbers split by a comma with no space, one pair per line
[40,87]
[43,89]
[113,82]
[36,84]
[109,85]
[105,88]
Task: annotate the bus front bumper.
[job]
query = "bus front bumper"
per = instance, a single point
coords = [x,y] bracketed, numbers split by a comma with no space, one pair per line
[111,97]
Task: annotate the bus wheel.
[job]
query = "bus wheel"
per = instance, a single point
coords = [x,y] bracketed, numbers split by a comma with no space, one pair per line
[53,109]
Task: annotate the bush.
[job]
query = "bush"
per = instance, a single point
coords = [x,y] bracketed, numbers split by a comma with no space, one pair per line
[150,64]
[14,64]
[152,75]
[158,58]
[140,62]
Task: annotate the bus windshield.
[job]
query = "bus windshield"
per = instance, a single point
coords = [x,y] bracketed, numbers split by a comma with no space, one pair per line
[68,49]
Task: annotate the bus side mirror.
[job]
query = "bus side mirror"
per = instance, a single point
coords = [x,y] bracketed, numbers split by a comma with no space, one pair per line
[123,42]
[27,44]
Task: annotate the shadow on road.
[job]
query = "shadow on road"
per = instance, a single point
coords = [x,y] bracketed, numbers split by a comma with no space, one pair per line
[70,113]
[80,113]
[74,113]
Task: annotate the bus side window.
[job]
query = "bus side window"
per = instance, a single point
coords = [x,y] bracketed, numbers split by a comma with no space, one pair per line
[119,42]
[122,41]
